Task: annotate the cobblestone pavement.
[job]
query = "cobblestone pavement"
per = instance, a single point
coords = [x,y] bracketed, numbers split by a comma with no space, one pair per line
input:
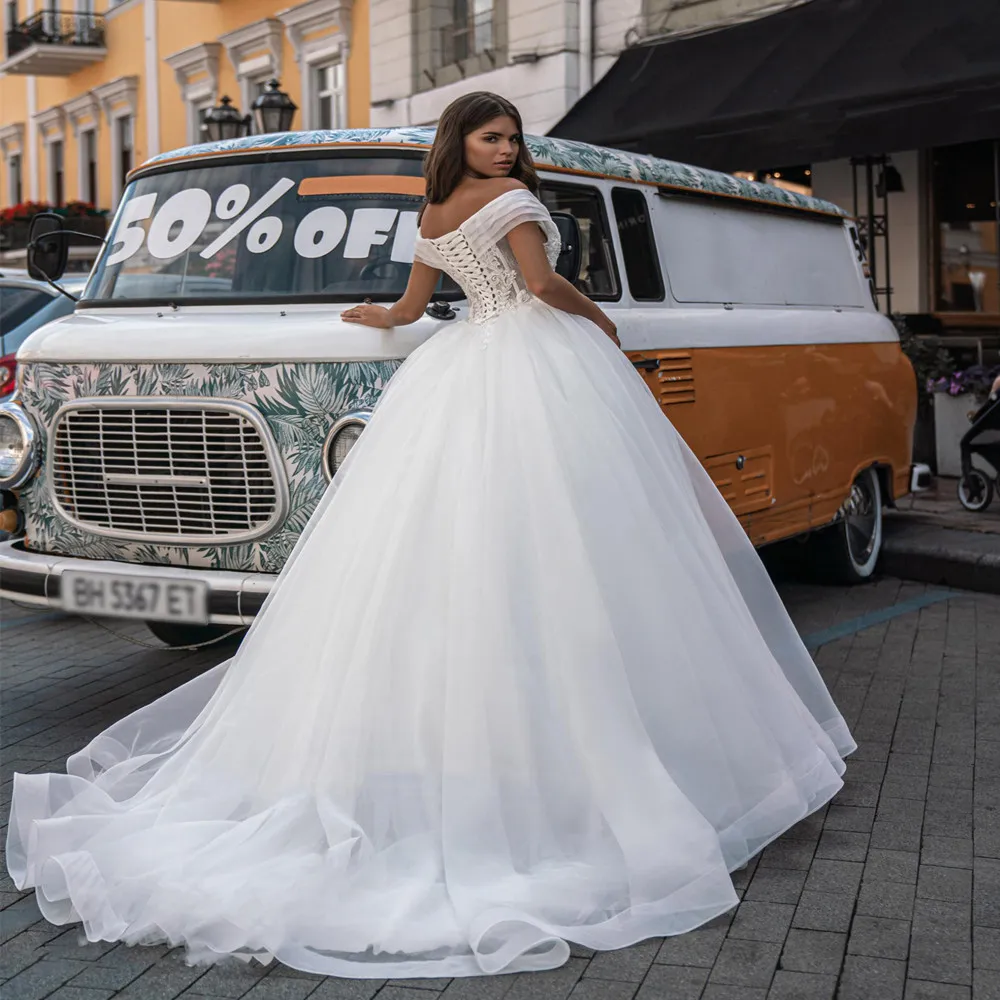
[890,893]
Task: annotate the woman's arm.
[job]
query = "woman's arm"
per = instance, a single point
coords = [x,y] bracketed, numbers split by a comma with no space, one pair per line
[419,289]
[528,245]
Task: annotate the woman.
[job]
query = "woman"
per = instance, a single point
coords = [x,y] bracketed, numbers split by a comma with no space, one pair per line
[523,680]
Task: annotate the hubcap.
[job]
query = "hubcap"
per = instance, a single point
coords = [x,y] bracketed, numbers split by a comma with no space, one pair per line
[861,516]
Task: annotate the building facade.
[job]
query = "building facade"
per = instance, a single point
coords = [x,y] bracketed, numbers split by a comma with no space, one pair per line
[90,88]
[542,54]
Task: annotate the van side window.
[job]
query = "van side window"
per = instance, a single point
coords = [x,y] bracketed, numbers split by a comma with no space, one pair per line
[598,272]
[642,264]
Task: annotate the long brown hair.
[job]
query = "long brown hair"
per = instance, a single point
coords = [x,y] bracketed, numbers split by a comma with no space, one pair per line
[444,165]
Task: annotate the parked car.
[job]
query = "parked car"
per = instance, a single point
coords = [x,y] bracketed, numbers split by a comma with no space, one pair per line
[25,306]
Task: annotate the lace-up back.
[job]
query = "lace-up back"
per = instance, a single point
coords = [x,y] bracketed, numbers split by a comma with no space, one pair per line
[478,257]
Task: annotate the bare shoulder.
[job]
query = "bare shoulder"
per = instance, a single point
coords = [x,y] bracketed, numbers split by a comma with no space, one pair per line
[501,185]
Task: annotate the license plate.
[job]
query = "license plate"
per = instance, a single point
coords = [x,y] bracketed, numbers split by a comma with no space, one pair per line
[146,597]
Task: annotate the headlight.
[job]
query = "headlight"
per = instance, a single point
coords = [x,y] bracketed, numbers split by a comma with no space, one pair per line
[18,446]
[343,434]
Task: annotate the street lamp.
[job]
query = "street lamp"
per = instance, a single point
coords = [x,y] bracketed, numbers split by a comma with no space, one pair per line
[225,122]
[274,109]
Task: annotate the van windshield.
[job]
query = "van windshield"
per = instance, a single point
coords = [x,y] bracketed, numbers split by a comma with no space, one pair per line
[334,229]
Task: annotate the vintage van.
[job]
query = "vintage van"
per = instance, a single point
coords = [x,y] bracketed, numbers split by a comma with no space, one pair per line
[169,440]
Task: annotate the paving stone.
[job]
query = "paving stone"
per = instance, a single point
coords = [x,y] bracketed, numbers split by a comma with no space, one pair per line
[627,965]
[793,854]
[952,884]
[728,991]
[879,937]
[895,836]
[947,823]
[843,845]
[813,951]
[789,985]
[886,899]
[699,947]
[941,942]
[762,921]
[919,989]
[892,866]
[671,982]
[416,983]
[549,985]
[79,993]
[826,875]
[160,983]
[776,885]
[986,892]
[465,988]
[986,948]
[603,989]
[985,985]
[40,979]
[867,978]
[746,963]
[413,993]
[823,911]
[947,852]
[854,818]
[232,979]
[364,989]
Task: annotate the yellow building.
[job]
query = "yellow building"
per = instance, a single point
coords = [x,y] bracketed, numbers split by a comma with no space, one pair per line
[91,88]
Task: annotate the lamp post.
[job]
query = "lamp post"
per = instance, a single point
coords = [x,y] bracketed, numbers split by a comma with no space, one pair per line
[273,110]
[225,122]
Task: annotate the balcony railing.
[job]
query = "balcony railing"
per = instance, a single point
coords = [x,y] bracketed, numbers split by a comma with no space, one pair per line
[55,42]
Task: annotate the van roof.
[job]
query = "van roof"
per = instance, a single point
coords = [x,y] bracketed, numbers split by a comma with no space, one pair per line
[558,154]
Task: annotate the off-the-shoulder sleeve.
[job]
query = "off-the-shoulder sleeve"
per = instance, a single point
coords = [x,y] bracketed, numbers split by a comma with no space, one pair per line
[505,212]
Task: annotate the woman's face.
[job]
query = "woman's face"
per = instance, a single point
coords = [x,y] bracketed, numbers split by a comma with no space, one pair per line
[491,149]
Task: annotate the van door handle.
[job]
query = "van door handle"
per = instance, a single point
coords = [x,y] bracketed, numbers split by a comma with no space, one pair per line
[647,364]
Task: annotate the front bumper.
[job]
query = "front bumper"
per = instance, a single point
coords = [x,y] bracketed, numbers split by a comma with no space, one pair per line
[35,578]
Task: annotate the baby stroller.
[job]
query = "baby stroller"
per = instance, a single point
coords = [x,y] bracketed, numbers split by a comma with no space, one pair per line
[982,439]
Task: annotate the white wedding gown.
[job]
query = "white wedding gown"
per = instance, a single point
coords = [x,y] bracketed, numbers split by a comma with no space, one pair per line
[523,681]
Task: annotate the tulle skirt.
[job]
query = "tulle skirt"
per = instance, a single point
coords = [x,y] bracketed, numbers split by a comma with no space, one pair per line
[522,682]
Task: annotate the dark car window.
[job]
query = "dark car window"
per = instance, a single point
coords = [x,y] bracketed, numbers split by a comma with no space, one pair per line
[17,303]
[642,264]
[58,306]
[598,273]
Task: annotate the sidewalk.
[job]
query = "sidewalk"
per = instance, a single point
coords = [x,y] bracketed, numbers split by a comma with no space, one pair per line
[931,538]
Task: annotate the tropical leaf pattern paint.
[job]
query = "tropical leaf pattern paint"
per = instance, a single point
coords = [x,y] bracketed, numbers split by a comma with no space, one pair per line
[563,154]
[299,403]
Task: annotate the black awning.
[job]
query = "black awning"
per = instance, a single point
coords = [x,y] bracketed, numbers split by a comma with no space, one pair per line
[828,79]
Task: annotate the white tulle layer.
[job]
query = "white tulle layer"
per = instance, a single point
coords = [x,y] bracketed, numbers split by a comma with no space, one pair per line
[523,681]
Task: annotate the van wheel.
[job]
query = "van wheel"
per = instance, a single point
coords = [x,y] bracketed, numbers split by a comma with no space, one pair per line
[848,551]
[189,635]
[975,491]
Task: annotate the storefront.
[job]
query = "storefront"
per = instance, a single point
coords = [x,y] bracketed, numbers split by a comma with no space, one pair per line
[888,107]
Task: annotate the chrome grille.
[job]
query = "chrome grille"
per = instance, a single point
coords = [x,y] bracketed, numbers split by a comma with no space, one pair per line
[187,471]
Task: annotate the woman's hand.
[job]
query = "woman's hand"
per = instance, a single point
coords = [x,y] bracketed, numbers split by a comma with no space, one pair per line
[369,315]
[611,330]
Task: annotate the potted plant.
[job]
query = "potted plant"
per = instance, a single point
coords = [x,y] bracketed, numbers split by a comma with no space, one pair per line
[930,361]
[15,221]
[85,218]
[957,395]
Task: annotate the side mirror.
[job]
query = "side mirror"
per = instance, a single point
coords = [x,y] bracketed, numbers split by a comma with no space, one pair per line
[48,248]
[568,263]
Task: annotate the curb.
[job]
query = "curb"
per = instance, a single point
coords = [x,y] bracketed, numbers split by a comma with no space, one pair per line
[965,560]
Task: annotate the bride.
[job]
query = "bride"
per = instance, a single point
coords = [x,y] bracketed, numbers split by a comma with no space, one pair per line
[523,681]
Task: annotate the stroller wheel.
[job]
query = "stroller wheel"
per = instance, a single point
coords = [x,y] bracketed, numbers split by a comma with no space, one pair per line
[975,491]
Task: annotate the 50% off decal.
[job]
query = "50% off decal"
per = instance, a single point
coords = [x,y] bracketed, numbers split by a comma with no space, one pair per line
[182,218]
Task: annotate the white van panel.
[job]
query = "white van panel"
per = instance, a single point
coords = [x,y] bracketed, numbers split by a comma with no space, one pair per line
[714,252]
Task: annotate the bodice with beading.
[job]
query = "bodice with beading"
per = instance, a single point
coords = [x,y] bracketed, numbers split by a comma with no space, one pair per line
[479,259]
